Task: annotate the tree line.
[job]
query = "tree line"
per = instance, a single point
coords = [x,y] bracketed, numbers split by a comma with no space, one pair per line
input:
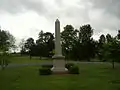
[77,44]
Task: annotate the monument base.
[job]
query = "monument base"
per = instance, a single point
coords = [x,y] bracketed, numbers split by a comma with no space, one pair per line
[59,65]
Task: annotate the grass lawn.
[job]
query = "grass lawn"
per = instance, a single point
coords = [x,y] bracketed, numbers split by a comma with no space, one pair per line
[25,59]
[92,77]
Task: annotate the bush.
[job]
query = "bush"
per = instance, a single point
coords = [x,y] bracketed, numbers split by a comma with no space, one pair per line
[45,71]
[47,66]
[74,69]
[68,65]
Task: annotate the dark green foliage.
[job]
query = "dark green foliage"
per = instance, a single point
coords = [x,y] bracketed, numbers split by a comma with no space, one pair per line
[47,66]
[86,44]
[118,35]
[102,39]
[101,45]
[77,44]
[4,60]
[69,38]
[85,33]
[29,45]
[45,44]
[108,38]
[45,71]
[6,40]
[43,47]
[74,69]
[68,65]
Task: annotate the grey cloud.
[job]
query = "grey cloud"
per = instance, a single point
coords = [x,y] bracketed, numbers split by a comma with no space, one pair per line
[59,3]
[105,24]
[108,19]
[17,6]
[109,6]
[43,8]
[77,12]
[70,14]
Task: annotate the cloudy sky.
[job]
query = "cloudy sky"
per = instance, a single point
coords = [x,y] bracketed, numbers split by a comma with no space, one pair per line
[25,18]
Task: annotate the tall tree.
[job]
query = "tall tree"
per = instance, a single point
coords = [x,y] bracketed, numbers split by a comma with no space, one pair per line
[14,48]
[101,43]
[45,44]
[102,39]
[68,38]
[29,45]
[40,38]
[50,43]
[40,44]
[22,48]
[85,33]
[6,42]
[108,38]
[86,41]
[118,35]
[111,51]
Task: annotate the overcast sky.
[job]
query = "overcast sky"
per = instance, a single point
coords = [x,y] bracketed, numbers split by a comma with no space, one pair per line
[25,18]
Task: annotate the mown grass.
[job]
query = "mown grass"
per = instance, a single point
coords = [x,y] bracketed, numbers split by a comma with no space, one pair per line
[93,76]
[25,59]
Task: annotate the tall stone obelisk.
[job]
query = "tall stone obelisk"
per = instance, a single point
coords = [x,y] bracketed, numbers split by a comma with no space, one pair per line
[58,62]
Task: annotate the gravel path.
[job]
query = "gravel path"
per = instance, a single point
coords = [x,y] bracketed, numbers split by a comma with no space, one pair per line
[47,63]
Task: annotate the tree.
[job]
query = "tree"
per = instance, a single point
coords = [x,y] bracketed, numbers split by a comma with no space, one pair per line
[108,38]
[40,38]
[11,40]
[45,44]
[87,49]
[50,43]
[21,45]
[40,44]
[4,59]
[85,33]
[102,39]
[68,38]
[14,48]
[29,45]
[101,52]
[118,35]
[112,50]
[109,49]
[6,42]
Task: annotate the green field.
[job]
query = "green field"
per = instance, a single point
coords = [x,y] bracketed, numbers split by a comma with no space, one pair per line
[25,59]
[99,76]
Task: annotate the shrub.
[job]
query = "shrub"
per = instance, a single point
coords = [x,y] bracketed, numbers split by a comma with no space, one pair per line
[45,71]
[74,69]
[68,65]
[47,66]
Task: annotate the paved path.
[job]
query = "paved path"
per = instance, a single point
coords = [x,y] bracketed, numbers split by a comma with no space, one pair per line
[49,62]
[29,64]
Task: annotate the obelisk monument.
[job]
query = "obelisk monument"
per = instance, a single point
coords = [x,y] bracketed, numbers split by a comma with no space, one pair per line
[58,58]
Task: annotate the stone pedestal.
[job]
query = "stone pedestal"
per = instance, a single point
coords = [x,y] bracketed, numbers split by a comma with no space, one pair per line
[59,64]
